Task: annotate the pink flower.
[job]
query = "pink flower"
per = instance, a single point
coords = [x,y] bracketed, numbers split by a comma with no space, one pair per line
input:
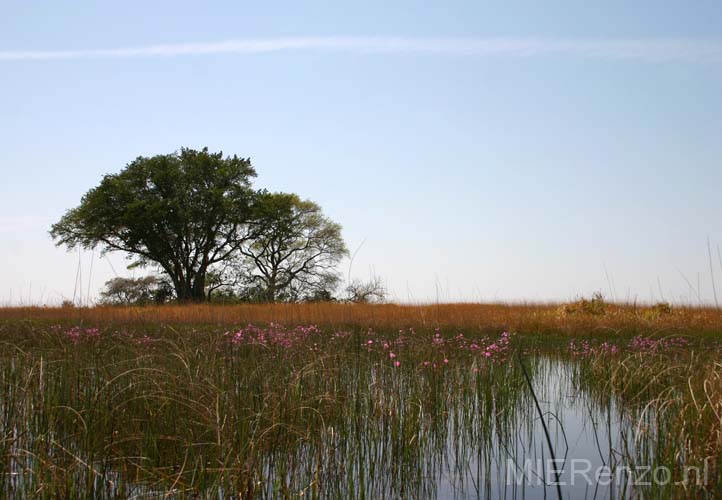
[392,355]
[397,363]
[446,360]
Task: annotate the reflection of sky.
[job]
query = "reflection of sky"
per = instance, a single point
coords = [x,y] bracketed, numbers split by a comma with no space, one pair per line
[578,417]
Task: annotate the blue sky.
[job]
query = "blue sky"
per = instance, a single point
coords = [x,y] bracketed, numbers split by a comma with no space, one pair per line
[470,173]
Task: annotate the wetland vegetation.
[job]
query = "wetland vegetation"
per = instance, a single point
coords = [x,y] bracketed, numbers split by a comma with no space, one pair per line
[359,401]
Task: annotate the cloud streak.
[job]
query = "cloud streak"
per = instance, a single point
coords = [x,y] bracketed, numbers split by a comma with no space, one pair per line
[645,50]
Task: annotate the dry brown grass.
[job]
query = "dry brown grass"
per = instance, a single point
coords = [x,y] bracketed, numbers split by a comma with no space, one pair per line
[526,318]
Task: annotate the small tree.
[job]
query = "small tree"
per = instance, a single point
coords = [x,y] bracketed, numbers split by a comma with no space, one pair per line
[136,291]
[321,296]
[359,292]
[295,249]
[184,212]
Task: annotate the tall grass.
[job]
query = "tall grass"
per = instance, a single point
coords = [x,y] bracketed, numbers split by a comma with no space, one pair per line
[527,318]
[360,401]
[261,413]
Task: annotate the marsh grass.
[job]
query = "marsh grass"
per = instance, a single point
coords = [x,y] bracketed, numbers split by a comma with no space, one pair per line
[89,412]
[368,402]
[674,398]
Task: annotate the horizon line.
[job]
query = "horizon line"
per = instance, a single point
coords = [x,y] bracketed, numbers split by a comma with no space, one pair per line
[695,50]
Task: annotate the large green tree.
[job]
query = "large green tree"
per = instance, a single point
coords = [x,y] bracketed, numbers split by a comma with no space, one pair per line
[183,212]
[294,251]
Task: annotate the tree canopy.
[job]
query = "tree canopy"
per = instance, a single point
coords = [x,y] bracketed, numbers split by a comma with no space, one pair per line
[294,251]
[195,217]
[183,212]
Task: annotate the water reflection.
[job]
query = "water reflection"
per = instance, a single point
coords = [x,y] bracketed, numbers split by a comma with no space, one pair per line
[590,440]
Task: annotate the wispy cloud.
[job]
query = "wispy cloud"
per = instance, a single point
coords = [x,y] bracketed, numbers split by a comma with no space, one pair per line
[646,50]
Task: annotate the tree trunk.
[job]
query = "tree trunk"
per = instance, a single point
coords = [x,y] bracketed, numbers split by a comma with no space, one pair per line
[271,288]
[271,292]
[181,290]
[198,291]
[191,288]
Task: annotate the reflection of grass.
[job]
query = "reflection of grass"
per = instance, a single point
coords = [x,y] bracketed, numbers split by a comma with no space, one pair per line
[273,411]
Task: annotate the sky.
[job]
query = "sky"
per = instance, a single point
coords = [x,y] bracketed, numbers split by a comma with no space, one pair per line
[472,151]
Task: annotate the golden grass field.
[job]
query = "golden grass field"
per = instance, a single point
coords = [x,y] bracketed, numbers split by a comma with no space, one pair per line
[524,318]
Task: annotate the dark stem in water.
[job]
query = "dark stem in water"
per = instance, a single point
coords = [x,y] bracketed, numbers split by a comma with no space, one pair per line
[544,426]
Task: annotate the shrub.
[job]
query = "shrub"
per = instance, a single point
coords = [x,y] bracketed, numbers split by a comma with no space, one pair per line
[657,310]
[595,306]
